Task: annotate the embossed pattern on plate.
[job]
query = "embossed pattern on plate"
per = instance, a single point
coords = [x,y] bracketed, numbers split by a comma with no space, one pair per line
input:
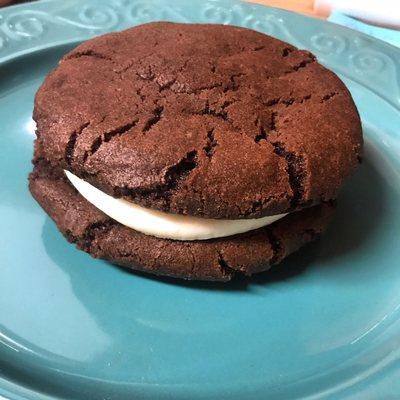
[354,54]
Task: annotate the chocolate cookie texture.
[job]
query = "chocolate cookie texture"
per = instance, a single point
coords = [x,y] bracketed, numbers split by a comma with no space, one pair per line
[207,120]
[204,120]
[218,259]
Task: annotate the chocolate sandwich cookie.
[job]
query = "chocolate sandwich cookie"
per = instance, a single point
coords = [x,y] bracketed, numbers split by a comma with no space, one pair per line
[194,151]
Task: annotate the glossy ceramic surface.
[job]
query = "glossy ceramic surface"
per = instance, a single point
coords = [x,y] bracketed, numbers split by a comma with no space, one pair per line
[326,325]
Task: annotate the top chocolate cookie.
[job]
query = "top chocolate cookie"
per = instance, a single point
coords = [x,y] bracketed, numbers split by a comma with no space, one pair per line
[209,120]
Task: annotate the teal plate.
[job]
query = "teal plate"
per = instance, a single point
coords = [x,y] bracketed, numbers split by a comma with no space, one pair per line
[325,325]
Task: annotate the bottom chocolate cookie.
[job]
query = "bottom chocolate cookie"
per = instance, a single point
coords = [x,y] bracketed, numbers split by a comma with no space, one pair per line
[217,260]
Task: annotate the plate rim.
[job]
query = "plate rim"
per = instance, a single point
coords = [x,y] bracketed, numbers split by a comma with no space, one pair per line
[30,27]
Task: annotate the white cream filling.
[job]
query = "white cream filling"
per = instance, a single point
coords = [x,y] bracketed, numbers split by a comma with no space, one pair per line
[162,224]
